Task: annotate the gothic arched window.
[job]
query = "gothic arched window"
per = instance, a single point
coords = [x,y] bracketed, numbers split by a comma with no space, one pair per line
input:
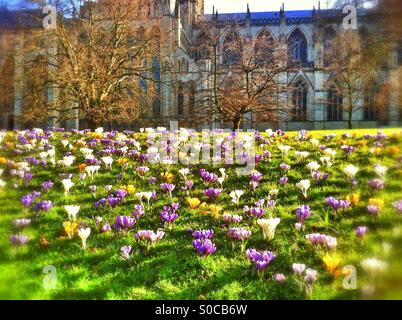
[370,105]
[180,100]
[191,99]
[329,36]
[264,46]
[232,49]
[334,102]
[203,50]
[299,101]
[297,47]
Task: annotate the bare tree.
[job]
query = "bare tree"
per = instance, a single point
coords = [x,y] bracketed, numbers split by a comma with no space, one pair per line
[355,62]
[244,75]
[99,62]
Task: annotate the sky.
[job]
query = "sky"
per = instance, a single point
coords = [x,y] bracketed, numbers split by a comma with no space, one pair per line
[227,6]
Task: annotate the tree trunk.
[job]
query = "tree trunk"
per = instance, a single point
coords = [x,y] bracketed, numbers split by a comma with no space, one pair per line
[350,115]
[236,123]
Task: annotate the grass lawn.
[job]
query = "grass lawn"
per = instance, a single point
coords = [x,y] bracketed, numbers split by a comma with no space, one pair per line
[171,269]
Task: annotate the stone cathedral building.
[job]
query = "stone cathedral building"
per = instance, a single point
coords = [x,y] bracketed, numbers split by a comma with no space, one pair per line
[179,89]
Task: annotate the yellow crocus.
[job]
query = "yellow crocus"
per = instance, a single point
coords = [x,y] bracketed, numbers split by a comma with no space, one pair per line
[70,228]
[376,202]
[332,263]
[354,199]
[122,161]
[193,202]
[167,176]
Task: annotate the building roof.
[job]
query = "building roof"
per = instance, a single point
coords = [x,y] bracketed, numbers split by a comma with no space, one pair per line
[273,17]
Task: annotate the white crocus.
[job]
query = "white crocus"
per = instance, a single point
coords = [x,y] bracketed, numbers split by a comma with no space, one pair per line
[330,153]
[99,130]
[380,170]
[303,186]
[92,170]
[86,151]
[313,166]
[284,150]
[72,212]
[314,142]
[64,143]
[67,184]
[326,161]
[84,233]
[235,195]
[373,266]
[108,161]
[1,172]
[2,184]
[301,155]
[184,172]
[268,227]
[351,171]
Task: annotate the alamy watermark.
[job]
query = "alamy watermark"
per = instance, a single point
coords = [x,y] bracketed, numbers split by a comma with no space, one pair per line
[50,279]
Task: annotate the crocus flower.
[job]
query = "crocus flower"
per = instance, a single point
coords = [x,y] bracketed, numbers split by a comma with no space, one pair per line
[380,171]
[124,223]
[283,180]
[351,171]
[169,187]
[47,185]
[268,227]
[43,206]
[298,269]
[279,277]
[202,234]
[70,228]
[232,218]
[19,240]
[67,184]
[235,195]
[212,192]
[260,259]
[239,234]
[376,184]
[322,240]
[303,186]
[284,150]
[125,252]
[373,210]
[72,211]
[256,212]
[204,247]
[337,204]
[84,233]
[168,214]
[373,266]
[302,213]
[398,205]
[361,231]
[311,276]
[148,237]
[20,223]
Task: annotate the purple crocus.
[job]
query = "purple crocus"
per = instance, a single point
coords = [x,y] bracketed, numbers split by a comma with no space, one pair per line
[260,259]
[361,231]
[373,210]
[283,180]
[239,234]
[125,252]
[19,240]
[232,218]
[45,206]
[256,176]
[208,176]
[376,184]
[284,167]
[168,214]
[337,204]
[202,234]
[124,223]
[302,213]
[47,185]
[169,187]
[188,185]
[204,247]
[256,212]
[28,199]
[138,211]
[212,192]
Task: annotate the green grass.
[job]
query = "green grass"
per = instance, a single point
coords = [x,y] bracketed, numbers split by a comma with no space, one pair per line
[172,269]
